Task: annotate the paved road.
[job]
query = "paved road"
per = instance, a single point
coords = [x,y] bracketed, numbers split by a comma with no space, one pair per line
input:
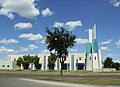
[117,76]
[6,81]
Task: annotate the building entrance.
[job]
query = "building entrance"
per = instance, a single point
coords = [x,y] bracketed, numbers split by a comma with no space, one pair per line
[65,66]
[80,66]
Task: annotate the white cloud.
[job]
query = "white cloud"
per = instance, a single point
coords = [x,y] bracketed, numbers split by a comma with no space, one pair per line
[73,24]
[86,30]
[23,49]
[24,8]
[81,41]
[110,55]
[58,24]
[23,25]
[106,42]
[118,43]
[69,25]
[31,36]
[104,48]
[45,51]
[113,55]
[115,3]
[5,50]
[43,40]
[8,41]
[6,13]
[73,50]
[29,48]
[47,12]
[116,61]
[32,47]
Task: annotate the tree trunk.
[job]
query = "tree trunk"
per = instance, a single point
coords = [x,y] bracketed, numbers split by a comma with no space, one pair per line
[61,70]
[19,68]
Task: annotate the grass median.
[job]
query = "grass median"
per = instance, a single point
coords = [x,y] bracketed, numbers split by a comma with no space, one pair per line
[56,72]
[98,81]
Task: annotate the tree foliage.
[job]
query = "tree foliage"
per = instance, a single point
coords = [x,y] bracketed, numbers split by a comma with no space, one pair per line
[60,39]
[27,59]
[36,61]
[108,63]
[116,65]
[51,60]
[19,61]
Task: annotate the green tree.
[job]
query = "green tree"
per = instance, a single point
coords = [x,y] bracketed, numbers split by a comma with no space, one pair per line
[60,39]
[19,61]
[108,63]
[116,65]
[35,60]
[51,60]
[27,59]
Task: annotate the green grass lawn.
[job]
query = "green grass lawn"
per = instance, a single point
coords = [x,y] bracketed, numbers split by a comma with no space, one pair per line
[98,81]
[58,72]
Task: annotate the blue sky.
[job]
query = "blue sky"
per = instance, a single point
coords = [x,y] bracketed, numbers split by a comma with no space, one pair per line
[22,25]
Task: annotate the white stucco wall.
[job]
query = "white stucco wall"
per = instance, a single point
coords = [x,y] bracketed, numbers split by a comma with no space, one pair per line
[95,61]
[5,64]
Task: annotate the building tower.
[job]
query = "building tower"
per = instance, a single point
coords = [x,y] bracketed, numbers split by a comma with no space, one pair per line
[93,54]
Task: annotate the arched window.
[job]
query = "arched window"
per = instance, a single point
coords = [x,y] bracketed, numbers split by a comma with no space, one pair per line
[7,65]
[14,59]
[3,65]
[90,58]
[95,58]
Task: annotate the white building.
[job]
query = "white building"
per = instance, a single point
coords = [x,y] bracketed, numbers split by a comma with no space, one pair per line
[75,61]
[5,64]
[93,53]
